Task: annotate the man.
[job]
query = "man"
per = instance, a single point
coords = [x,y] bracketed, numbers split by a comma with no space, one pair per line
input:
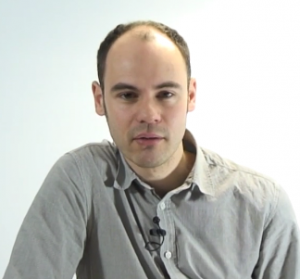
[153,204]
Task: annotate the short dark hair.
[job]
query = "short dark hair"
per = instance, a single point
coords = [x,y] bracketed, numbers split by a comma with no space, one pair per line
[121,29]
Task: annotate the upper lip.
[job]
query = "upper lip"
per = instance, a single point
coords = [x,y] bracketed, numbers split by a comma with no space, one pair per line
[148,135]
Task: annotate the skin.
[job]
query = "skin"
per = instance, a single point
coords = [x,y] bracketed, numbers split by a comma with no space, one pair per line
[144,64]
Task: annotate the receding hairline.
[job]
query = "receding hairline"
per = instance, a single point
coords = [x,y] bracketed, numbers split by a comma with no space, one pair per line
[145,33]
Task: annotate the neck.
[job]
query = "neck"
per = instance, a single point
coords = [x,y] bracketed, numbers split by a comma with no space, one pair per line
[170,175]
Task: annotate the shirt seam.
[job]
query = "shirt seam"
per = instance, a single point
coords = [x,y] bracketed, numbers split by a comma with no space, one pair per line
[83,181]
[238,169]
[274,206]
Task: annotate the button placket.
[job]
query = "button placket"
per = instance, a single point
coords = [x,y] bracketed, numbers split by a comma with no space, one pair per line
[167,245]
[161,210]
[168,249]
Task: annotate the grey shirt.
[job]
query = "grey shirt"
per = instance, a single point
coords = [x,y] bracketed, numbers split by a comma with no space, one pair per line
[92,216]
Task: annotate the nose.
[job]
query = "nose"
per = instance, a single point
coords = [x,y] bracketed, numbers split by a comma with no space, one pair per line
[149,112]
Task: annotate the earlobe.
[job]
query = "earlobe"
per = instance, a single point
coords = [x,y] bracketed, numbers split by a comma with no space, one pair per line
[98,98]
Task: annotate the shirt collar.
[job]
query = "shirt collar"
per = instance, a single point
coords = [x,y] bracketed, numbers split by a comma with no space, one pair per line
[125,175]
[200,174]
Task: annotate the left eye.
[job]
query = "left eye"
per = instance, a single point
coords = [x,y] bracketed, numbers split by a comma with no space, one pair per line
[166,94]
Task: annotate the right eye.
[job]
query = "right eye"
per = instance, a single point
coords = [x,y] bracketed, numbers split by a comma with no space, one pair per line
[127,95]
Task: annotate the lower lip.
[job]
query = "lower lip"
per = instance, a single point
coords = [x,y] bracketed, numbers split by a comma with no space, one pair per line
[148,141]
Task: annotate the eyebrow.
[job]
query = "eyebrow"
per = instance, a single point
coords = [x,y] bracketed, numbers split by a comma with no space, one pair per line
[123,86]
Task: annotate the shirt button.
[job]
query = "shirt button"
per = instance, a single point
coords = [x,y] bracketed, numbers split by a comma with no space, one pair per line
[162,206]
[168,255]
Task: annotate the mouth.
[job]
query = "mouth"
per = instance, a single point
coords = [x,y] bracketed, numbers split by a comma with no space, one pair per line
[148,138]
[148,141]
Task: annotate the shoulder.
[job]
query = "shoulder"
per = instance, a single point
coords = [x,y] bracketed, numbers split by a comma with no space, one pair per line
[88,158]
[101,153]
[245,184]
[220,164]
[104,149]
[258,192]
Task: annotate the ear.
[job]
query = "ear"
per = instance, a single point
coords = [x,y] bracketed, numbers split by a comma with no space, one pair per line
[98,98]
[192,94]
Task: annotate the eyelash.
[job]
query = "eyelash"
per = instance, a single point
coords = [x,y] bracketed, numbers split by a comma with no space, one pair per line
[126,93]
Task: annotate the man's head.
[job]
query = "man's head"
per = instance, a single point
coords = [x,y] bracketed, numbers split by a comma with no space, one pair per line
[145,87]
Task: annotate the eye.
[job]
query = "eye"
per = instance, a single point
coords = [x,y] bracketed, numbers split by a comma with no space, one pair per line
[165,94]
[127,95]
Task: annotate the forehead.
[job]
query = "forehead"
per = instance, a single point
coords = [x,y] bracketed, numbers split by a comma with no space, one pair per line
[138,55]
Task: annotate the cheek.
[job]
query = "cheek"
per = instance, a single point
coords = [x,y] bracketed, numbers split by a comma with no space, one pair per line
[118,115]
[177,115]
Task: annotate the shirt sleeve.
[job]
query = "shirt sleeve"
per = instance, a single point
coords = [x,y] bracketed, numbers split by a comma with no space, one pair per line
[51,239]
[280,248]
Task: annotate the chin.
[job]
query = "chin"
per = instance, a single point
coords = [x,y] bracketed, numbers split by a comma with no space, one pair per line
[147,162]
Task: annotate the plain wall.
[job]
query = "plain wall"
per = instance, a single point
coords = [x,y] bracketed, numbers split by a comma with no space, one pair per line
[245,56]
